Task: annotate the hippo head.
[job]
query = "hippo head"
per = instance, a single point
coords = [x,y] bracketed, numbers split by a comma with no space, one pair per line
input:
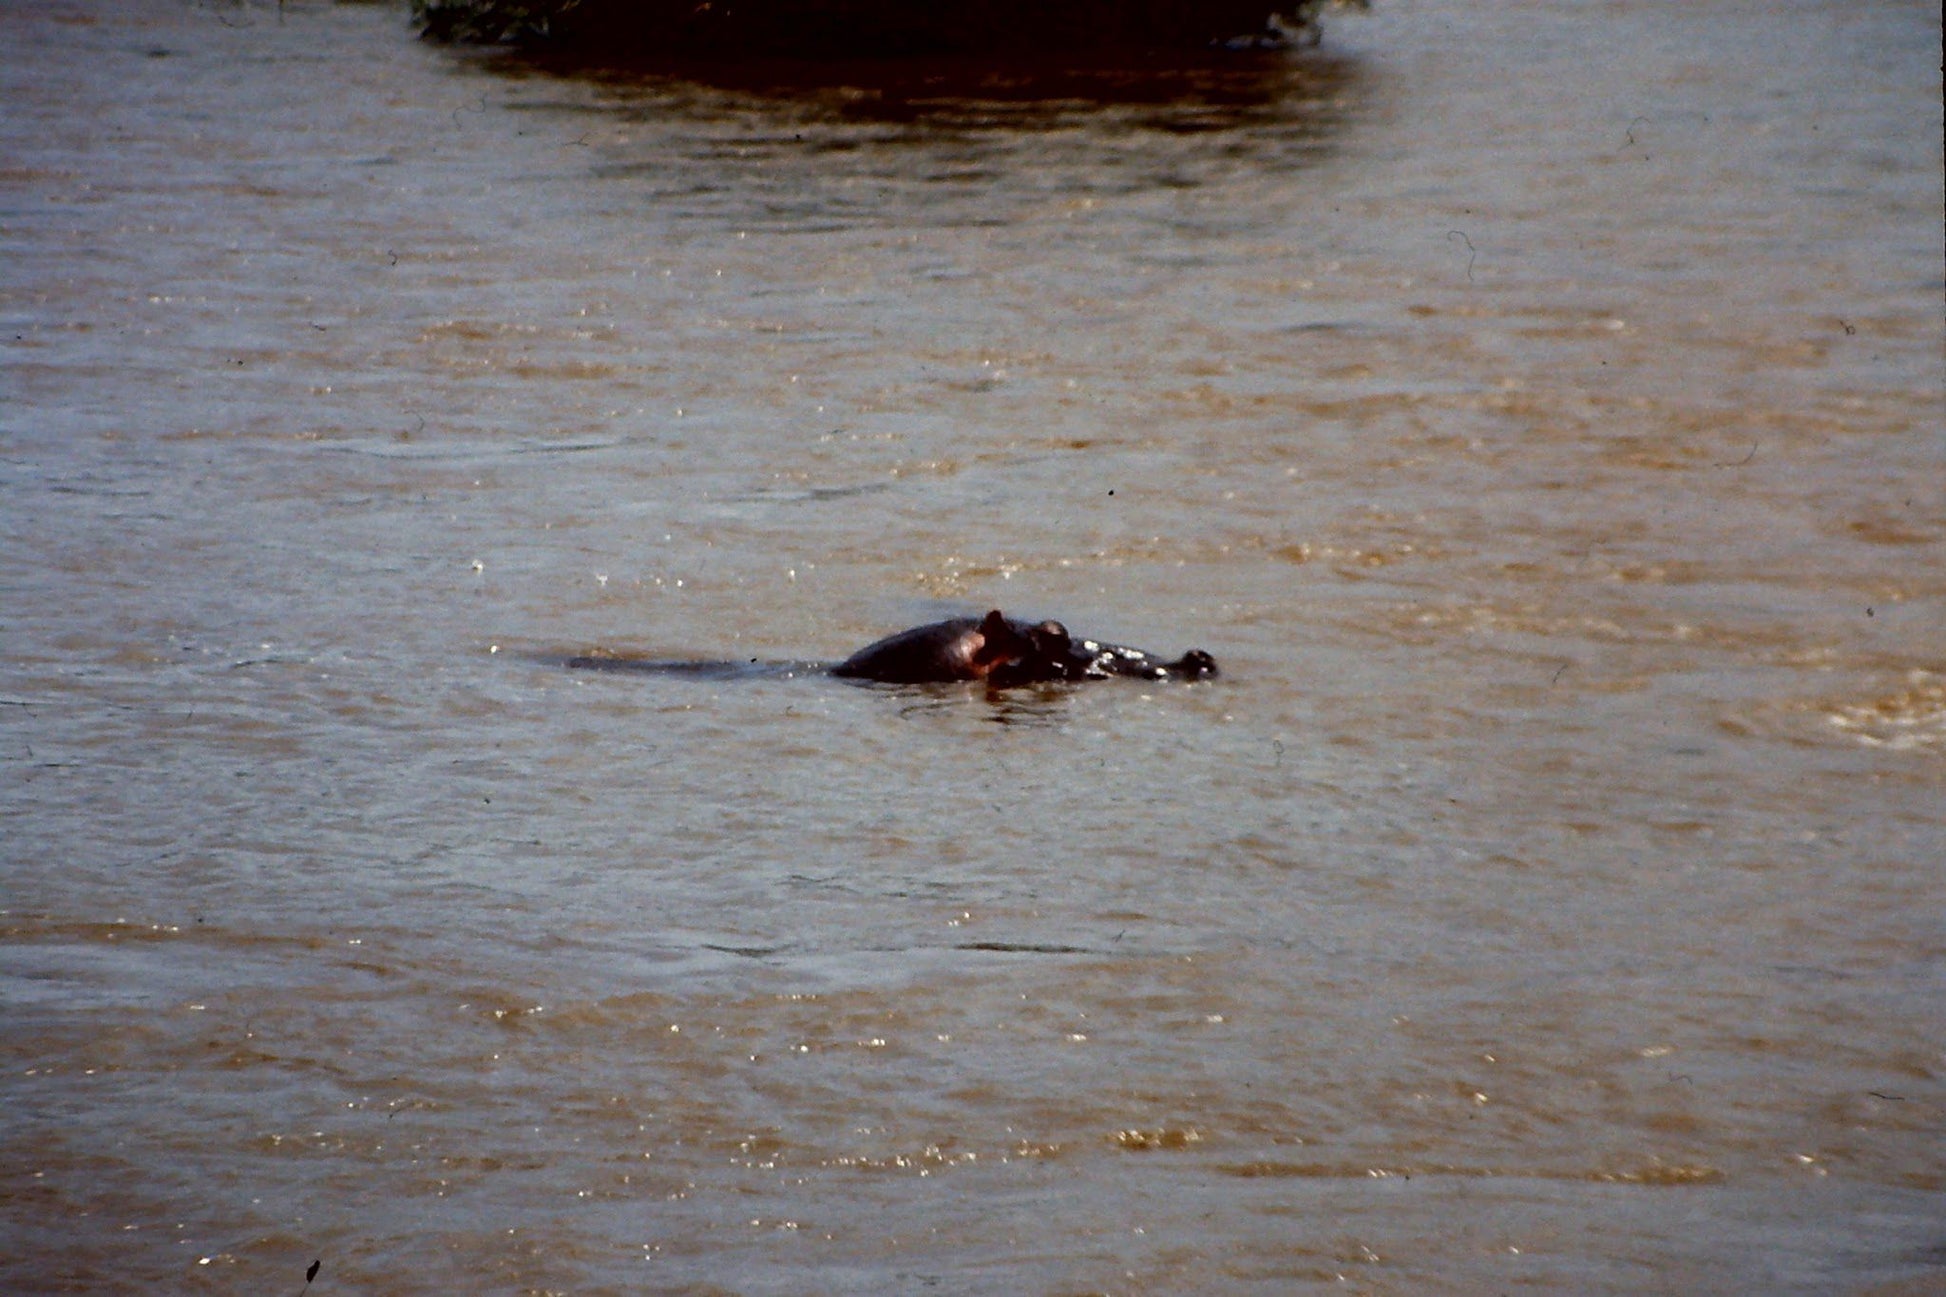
[1194,665]
[1017,655]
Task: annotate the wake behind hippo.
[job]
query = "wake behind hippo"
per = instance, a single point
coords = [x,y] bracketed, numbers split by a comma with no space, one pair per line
[1005,653]
[998,649]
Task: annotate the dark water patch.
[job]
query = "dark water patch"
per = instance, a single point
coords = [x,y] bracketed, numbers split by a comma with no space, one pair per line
[808,495]
[452,448]
[1027,948]
[1341,328]
[747,952]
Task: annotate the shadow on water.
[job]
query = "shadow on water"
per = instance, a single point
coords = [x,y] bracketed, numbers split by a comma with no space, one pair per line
[1307,92]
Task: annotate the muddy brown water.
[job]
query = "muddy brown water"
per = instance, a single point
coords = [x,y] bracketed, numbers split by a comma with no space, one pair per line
[1538,410]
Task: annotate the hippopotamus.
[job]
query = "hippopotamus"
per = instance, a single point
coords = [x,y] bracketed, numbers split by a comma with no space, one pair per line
[1005,652]
[996,648]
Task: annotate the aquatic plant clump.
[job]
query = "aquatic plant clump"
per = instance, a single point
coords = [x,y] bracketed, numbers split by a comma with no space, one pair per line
[867,28]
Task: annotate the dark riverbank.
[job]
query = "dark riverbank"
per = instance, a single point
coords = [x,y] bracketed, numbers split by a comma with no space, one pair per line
[637,29]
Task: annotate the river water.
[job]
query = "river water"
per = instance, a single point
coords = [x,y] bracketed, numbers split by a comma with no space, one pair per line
[1539,410]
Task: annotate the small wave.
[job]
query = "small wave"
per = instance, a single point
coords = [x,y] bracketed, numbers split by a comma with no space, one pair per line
[1906,720]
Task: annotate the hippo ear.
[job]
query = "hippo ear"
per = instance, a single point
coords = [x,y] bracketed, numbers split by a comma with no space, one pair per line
[998,642]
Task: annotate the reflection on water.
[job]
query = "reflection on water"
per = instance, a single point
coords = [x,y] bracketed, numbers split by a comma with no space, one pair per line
[1198,92]
[820,146]
[1538,417]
